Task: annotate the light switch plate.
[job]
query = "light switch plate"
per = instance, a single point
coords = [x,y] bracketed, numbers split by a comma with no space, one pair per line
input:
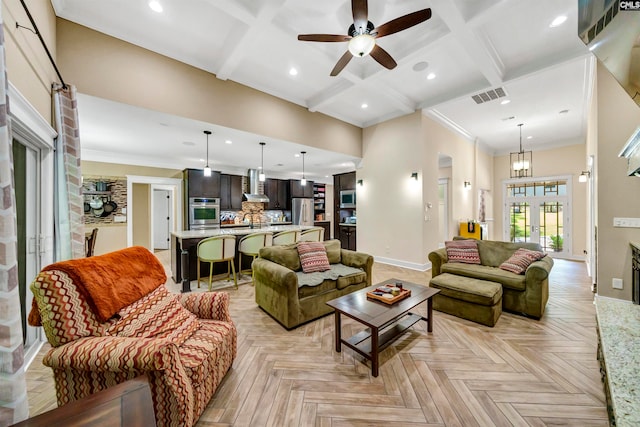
[626,222]
[119,218]
[617,283]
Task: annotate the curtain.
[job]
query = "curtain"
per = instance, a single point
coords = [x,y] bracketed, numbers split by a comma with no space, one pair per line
[69,205]
[14,405]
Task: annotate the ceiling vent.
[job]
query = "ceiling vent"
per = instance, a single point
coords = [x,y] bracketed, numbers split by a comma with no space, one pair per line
[489,95]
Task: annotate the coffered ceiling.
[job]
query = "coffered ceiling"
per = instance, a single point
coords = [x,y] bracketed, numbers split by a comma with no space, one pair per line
[468,46]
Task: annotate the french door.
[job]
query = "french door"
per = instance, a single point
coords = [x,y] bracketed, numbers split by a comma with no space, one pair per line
[539,211]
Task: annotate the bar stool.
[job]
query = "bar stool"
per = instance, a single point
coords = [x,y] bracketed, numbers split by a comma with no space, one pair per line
[286,237]
[315,234]
[90,242]
[250,245]
[218,249]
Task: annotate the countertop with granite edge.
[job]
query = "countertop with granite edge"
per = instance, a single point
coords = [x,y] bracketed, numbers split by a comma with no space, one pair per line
[619,327]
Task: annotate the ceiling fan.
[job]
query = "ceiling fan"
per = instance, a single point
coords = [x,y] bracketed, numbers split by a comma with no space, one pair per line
[362,35]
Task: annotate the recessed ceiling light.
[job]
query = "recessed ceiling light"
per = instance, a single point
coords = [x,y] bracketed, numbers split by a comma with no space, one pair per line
[364,106]
[505,102]
[293,72]
[189,143]
[156,6]
[558,21]
[563,111]
[529,137]
[420,66]
[296,155]
[202,160]
[228,141]
[508,118]
[326,176]
[431,76]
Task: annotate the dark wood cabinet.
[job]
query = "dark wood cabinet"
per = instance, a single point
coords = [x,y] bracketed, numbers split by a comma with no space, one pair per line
[299,190]
[198,185]
[347,237]
[230,192]
[343,181]
[277,190]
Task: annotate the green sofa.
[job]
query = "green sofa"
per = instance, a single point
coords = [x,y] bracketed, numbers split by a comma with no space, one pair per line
[280,287]
[521,293]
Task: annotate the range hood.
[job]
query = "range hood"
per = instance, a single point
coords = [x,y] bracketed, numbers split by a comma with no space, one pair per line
[253,195]
[631,151]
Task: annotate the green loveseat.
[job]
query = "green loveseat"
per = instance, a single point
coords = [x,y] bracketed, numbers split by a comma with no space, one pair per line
[521,293]
[280,288]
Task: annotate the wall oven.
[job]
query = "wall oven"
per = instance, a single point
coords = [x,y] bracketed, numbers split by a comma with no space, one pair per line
[204,213]
[348,199]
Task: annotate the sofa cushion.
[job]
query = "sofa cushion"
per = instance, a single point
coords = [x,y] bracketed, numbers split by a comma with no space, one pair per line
[462,288]
[333,251]
[493,253]
[463,251]
[336,271]
[483,272]
[327,285]
[520,260]
[285,255]
[156,315]
[351,279]
[313,257]
[209,346]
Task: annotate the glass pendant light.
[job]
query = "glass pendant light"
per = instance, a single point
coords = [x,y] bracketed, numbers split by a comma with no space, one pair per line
[261,176]
[207,169]
[303,182]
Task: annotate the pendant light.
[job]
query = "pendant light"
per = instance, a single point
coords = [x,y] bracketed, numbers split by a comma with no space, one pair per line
[303,182]
[207,169]
[261,176]
[521,163]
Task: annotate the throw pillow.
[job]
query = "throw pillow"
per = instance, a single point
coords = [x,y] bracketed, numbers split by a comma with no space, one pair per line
[313,257]
[464,251]
[521,259]
[156,315]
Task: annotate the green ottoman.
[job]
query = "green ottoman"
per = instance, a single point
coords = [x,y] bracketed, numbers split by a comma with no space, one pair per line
[468,298]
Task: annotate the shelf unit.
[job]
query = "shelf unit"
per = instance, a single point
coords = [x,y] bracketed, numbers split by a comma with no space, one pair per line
[319,205]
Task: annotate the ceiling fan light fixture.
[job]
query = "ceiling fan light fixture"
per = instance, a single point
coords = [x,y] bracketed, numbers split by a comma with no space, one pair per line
[362,45]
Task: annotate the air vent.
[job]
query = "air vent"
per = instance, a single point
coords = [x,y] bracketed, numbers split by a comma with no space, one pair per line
[588,36]
[489,95]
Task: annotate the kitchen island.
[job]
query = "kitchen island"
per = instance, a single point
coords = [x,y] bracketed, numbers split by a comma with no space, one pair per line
[184,243]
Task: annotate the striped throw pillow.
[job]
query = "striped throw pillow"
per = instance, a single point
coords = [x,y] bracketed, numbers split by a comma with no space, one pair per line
[521,259]
[464,251]
[313,257]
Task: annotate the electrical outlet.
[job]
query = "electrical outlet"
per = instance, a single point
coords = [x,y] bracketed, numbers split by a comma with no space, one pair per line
[617,283]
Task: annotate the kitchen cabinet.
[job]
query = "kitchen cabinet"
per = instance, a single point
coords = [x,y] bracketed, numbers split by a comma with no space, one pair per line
[343,181]
[230,192]
[277,190]
[198,185]
[319,201]
[347,236]
[299,190]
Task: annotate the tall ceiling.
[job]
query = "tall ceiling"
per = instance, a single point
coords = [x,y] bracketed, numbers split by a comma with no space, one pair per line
[469,46]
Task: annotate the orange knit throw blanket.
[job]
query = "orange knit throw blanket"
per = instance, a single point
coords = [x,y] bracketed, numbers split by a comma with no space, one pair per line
[112,281]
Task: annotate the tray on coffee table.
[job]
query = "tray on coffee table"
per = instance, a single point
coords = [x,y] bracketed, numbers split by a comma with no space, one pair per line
[395,298]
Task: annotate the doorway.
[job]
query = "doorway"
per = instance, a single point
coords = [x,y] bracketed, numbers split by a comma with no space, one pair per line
[162,214]
[445,174]
[539,211]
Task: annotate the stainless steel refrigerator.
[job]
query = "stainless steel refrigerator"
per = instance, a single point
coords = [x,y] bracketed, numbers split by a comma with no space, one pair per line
[302,211]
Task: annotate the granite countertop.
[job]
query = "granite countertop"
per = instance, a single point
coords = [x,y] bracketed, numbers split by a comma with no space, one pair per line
[201,234]
[345,224]
[264,224]
[619,327]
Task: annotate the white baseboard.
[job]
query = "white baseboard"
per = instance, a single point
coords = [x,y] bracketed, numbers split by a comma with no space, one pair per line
[404,264]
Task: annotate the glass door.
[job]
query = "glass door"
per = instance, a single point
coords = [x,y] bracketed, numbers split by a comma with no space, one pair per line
[538,212]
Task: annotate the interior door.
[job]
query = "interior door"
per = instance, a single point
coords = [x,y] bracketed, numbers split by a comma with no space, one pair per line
[161,219]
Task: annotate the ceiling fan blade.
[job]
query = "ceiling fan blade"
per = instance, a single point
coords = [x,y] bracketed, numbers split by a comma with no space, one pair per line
[402,23]
[323,38]
[342,62]
[360,9]
[381,55]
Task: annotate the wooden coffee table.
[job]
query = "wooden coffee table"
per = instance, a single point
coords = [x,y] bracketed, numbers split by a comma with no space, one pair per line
[385,321]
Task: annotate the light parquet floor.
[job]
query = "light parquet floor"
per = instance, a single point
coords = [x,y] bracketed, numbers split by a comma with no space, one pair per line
[522,372]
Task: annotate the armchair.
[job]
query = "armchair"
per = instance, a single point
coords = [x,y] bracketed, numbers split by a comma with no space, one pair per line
[109,318]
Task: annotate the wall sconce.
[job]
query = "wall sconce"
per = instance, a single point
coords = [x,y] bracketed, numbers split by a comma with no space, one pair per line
[467,185]
[584,176]
[360,182]
[414,175]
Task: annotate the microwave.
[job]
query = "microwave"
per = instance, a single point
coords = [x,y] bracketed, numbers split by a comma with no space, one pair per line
[347,199]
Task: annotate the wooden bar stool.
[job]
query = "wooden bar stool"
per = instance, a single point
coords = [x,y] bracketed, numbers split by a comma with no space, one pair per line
[218,249]
[250,245]
[286,237]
